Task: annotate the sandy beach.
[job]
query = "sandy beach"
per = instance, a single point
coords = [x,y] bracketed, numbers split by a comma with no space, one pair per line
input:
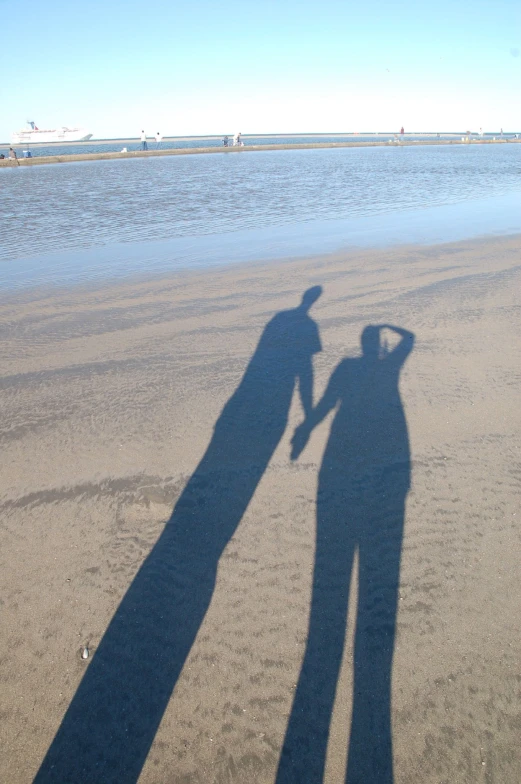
[111,395]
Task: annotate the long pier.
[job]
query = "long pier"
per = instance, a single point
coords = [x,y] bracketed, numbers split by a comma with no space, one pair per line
[106,156]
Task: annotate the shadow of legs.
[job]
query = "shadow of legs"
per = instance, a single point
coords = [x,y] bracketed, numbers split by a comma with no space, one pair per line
[370,758]
[305,745]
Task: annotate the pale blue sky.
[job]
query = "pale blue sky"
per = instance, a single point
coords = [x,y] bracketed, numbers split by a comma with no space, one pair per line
[261,67]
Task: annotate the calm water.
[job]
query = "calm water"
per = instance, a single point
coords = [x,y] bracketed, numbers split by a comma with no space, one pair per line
[113,217]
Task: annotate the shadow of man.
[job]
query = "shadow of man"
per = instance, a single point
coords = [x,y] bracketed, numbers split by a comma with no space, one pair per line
[112,720]
[363,484]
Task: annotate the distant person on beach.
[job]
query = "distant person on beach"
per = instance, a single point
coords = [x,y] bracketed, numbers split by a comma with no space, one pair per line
[402,131]
[2,156]
[237,140]
[144,145]
[159,138]
[13,156]
[226,141]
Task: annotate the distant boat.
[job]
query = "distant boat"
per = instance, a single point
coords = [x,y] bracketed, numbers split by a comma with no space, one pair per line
[33,135]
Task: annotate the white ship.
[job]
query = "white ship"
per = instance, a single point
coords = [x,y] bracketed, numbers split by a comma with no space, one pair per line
[33,135]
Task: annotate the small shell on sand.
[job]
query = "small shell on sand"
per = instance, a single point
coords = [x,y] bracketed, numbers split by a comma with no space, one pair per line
[85,653]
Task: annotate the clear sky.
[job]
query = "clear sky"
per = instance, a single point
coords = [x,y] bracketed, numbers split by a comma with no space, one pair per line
[204,67]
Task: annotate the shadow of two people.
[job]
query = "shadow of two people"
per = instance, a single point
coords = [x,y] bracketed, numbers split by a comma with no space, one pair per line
[113,718]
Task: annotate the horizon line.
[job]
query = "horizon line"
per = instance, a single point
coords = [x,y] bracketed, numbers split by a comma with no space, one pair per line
[185,137]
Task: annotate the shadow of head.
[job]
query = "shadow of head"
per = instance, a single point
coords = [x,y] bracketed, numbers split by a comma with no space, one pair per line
[310,297]
[370,340]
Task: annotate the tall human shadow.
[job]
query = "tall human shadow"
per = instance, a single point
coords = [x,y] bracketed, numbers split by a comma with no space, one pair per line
[363,484]
[112,720]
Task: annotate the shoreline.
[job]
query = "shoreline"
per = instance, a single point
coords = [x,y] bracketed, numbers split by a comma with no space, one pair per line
[144,276]
[436,226]
[52,159]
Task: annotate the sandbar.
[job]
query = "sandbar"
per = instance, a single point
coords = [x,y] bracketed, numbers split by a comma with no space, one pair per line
[105,156]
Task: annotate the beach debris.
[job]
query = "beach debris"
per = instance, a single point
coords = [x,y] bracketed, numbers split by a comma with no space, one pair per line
[85,653]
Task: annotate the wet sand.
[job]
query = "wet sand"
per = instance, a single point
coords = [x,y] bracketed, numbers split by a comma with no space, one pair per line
[109,399]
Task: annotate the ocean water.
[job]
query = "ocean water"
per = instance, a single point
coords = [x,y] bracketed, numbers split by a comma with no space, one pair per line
[119,217]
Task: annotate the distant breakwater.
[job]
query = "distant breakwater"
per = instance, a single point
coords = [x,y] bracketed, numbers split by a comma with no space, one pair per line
[395,142]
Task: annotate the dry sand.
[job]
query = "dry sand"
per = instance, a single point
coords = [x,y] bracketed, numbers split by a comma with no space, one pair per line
[109,399]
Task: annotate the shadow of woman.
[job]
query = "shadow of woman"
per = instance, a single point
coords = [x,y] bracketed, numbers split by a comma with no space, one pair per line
[112,720]
[363,484]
